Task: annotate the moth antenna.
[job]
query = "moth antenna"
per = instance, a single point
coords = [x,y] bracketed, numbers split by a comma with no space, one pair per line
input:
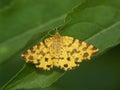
[49,32]
[62,26]
[58,28]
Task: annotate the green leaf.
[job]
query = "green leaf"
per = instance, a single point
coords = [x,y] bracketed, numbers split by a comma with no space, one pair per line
[36,79]
[33,78]
[95,21]
[7,47]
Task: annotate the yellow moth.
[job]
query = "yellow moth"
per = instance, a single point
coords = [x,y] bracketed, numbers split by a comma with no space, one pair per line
[59,51]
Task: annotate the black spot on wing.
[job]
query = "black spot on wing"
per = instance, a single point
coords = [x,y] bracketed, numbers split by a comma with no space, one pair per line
[46,59]
[71,43]
[48,66]
[74,51]
[31,57]
[65,65]
[68,58]
[85,54]
[45,44]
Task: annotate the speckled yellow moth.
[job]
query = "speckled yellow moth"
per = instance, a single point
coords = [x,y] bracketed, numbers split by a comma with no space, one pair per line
[59,51]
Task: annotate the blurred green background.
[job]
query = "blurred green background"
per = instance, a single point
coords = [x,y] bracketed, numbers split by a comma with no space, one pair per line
[24,22]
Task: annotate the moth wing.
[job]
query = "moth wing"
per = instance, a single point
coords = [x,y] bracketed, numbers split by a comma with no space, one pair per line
[73,52]
[40,55]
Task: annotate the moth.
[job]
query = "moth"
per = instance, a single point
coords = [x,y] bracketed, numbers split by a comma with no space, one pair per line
[64,52]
